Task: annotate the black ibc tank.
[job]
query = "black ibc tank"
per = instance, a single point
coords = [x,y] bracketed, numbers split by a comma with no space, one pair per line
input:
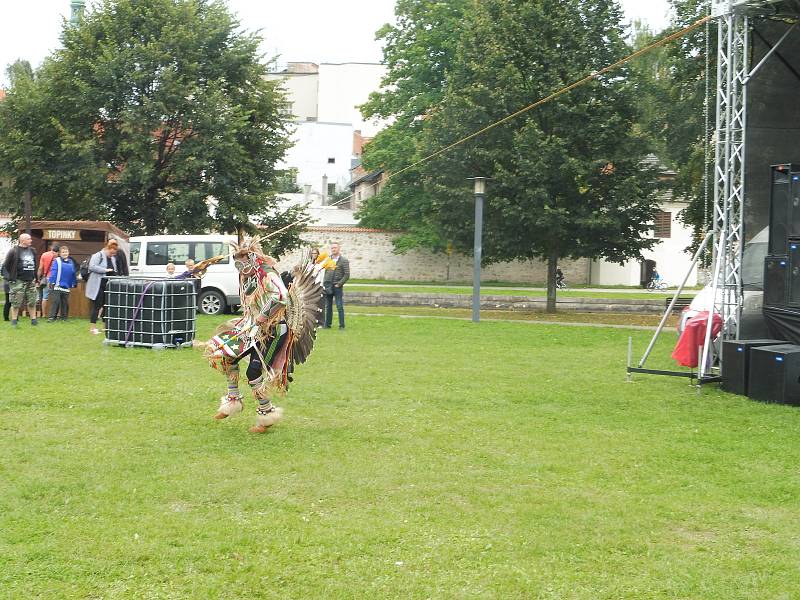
[150,312]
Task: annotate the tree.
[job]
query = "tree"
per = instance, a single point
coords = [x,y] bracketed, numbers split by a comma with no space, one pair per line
[19,69]
[686,89]
[419,52]
[152,110]
[650,74]
[568,178]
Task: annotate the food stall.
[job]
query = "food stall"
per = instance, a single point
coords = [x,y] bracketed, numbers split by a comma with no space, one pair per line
[84,238]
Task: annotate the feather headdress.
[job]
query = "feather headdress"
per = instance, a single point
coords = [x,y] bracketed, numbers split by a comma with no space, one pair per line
[249,245]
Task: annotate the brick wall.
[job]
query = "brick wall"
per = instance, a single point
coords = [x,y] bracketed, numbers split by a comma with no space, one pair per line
[372,256]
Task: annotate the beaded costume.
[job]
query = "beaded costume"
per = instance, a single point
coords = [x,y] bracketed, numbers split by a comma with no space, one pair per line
[276,330]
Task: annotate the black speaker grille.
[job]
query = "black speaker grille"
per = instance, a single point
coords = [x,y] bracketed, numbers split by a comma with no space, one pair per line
[775,274]
[775,374]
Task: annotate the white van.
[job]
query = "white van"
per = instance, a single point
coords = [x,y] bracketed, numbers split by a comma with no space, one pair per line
[219,288]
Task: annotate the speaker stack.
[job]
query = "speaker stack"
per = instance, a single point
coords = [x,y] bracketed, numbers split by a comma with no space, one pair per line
[736,356]
[769,370]
[775,374]
[782,265]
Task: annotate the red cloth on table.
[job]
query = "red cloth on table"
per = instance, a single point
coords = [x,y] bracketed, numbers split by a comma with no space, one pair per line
[693,338]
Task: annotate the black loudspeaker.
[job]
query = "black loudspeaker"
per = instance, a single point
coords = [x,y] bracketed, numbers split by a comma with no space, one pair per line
[736,363]
[793,282]
[774,374]
[784,207]
[776,275]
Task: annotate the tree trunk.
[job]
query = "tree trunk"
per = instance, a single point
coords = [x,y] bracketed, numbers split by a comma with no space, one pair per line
[552,265]
[150,210]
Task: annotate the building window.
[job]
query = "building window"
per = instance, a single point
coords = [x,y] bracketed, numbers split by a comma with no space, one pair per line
[331,189]
[663,228]
[331,161]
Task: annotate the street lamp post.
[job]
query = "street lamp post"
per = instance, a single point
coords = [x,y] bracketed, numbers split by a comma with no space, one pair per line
[480,194]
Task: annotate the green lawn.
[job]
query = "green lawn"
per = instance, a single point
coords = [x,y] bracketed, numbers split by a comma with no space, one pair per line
[418,458]
[493,291]
[599,318]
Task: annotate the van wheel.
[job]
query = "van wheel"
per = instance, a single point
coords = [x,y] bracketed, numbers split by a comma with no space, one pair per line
[211,302]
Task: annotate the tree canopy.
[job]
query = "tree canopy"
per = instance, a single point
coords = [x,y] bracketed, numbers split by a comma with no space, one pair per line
[568,179]
[152,111]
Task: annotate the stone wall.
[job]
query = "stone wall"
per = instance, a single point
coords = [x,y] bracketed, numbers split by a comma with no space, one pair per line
[372,256]
[512,303]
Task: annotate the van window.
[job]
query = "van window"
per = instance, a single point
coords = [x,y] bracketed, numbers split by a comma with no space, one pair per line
[161,253]
[157,253]
[178,252]
[135,246]
[204,250]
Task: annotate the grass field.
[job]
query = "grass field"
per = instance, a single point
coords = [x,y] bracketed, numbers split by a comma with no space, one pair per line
[418,458]
[494,291]
[593,319]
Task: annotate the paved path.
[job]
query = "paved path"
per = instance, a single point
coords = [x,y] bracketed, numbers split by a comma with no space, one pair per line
[526,289]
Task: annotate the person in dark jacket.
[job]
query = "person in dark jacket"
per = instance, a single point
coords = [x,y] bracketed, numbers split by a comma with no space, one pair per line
[333,285]
[63,278]
[20,267]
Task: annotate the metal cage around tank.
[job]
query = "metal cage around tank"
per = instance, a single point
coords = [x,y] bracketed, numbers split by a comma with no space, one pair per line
[151,312]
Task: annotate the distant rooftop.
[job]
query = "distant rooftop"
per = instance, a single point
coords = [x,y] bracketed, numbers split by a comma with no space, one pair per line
[311,68]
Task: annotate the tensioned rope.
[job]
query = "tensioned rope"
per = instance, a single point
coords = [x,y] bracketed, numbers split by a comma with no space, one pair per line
[706,136]
[663,41]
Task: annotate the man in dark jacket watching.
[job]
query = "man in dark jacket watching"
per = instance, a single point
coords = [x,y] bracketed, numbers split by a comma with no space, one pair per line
[20,269]
[333,285]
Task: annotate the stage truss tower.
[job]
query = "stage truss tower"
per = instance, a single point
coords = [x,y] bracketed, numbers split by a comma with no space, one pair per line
[733,73]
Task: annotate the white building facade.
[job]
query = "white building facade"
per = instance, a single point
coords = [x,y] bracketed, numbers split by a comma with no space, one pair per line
[670,256]
[323,100]
[322,155]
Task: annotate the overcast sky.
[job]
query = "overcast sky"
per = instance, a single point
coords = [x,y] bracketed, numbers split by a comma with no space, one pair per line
[297,30]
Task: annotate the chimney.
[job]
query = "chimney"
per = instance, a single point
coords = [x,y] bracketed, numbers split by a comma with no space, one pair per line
[306,192]
[324,190]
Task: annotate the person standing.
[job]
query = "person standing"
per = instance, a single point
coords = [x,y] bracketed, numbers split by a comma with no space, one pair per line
[20,267]
[189,274]
[334,286]
[44,271]
[63,277]
[102,264]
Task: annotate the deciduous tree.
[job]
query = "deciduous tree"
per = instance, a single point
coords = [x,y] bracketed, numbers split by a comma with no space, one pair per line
[150,112]
[569,178]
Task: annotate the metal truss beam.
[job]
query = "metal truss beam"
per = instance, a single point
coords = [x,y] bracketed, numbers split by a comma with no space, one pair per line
[723,7]
[729,156]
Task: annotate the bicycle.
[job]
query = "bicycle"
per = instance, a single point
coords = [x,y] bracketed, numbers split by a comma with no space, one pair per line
[657,283]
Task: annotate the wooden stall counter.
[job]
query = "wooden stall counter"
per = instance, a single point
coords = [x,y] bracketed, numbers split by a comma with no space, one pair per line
[79,305]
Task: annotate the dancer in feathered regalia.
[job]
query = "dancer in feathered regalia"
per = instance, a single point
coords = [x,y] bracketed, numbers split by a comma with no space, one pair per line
[277,329]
